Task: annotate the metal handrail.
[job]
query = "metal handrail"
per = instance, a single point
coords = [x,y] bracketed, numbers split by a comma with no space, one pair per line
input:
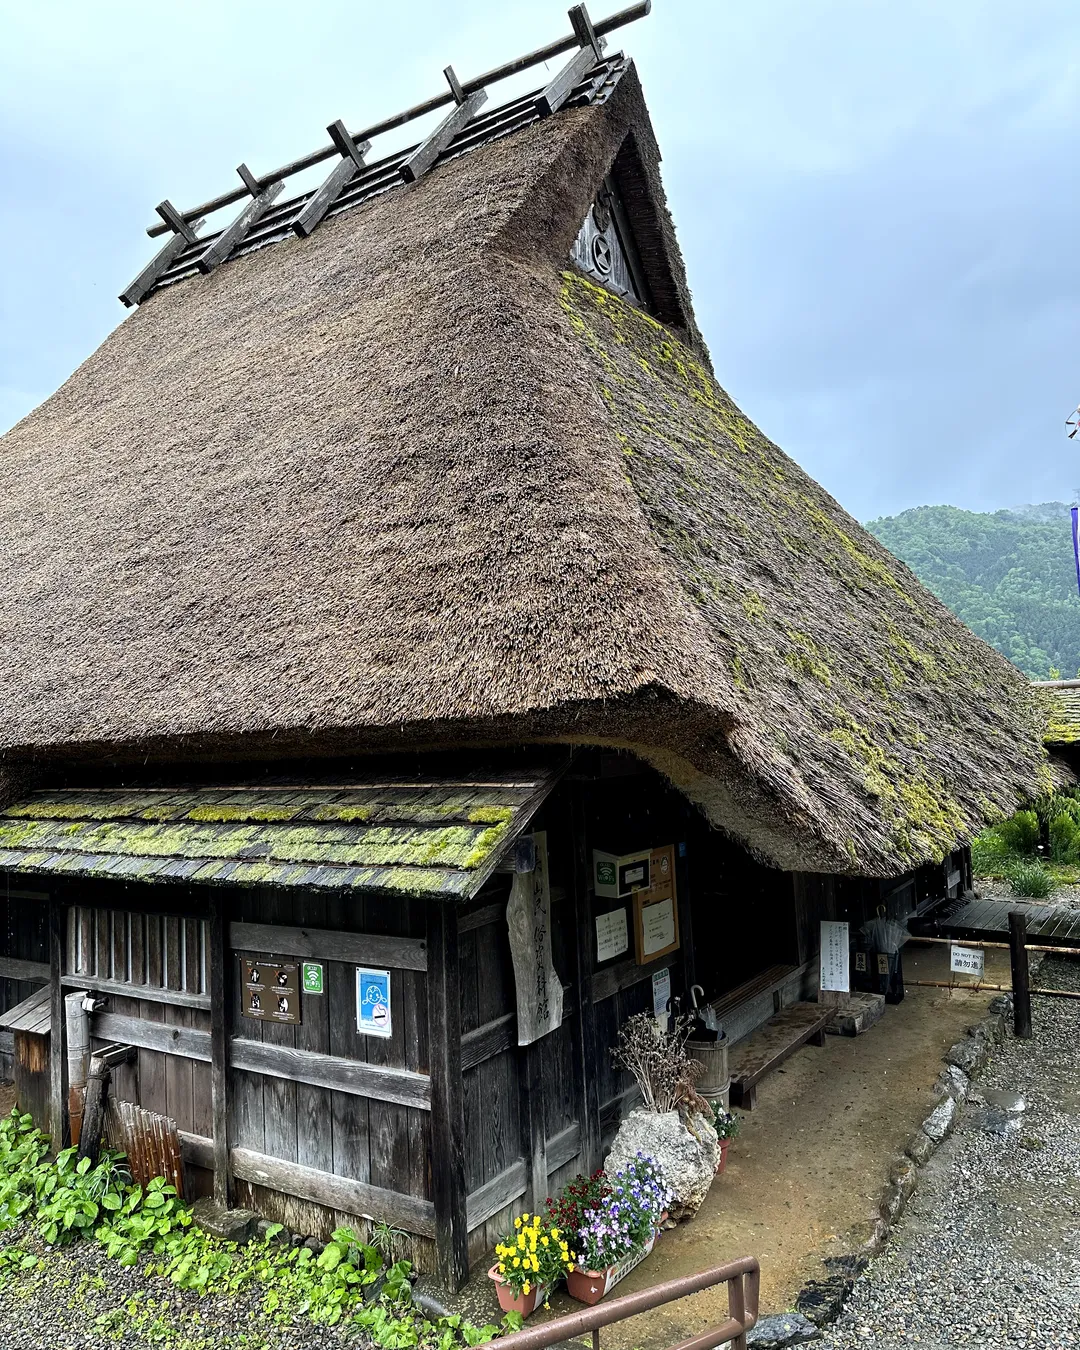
[743,1278]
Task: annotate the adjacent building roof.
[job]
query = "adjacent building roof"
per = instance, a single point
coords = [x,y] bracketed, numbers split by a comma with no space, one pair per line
[1061,700]
[407,837]
[414,482]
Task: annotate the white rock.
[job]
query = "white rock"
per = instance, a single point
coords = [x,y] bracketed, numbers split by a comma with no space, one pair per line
[688,1158]
[941,1120]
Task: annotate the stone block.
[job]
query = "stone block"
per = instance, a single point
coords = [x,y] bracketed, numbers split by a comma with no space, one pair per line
[938,1125]
[782,1329]
[231,1225]
[969,1055]
[856,1013]
[952,1082]
[921,1148]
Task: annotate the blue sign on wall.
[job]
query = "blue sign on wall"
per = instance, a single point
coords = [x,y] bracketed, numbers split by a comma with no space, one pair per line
[373,1002]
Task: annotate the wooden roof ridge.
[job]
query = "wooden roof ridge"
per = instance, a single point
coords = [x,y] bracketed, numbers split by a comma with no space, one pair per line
[588,75]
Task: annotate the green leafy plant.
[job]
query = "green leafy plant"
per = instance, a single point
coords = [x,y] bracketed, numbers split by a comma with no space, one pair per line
[727,1123]
[1030,879]
[349,1281]
[1020,833]
[1064,835]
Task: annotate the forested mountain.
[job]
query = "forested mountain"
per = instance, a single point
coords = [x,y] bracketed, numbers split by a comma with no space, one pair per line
[1009,575]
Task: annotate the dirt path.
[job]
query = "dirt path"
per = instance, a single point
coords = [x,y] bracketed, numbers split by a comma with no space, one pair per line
[804,1177]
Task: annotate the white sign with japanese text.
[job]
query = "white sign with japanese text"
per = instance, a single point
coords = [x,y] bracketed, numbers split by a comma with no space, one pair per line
[966,961]
[835,957]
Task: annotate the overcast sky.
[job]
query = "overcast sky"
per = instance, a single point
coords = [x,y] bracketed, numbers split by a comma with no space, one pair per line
[877,198]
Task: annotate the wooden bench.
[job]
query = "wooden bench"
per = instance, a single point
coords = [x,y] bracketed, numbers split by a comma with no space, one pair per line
[762,983]
[776,1041]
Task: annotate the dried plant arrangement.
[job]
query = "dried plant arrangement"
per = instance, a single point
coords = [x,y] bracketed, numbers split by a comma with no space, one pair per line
[662,1069]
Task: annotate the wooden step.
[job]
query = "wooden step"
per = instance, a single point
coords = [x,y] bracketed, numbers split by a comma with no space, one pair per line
[776,1041]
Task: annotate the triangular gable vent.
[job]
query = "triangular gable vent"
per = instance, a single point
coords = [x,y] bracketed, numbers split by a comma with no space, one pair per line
[605,250]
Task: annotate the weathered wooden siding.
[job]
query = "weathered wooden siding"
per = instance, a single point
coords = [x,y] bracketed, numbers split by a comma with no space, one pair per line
[24,920]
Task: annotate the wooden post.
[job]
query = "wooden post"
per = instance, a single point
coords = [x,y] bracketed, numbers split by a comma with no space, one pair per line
[1021,981]
[58,1118]
[533,1122]
[219,1049]
[447,1095]
[586,1065]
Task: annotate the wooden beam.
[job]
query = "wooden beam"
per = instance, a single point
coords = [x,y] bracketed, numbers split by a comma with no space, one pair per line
[400,1086]
[409,1212]
[59,1128]
[564,1147]
[216,253]
[586,1056]
[354,1076]
[176,222]
[156,268]
[168,1040]
[502,1190]
[584,31]
[324,944]
[447,1096]
[13,969]
[489,1040]
[331,188]
[429,150]
[219,1049]
[480,918]
[625,975]
[455,84]
[533,1126]
[557,91]
[177,998]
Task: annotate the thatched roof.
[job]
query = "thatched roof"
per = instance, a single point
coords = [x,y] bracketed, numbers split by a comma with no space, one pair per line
[1061,701]
[412,482]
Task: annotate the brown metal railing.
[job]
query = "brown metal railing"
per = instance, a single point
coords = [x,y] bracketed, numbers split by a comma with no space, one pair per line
[742,1278]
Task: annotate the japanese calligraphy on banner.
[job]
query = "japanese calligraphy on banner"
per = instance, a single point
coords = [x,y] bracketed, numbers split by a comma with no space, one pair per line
[835,957]
[528,917]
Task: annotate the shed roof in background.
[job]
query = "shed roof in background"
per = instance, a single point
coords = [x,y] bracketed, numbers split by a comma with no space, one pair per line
[407,837]
[1061,699]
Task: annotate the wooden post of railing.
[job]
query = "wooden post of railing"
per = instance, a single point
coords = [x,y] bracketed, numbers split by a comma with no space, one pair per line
[1021,981]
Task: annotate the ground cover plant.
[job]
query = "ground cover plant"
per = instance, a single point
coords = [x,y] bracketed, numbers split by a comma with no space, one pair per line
[47,1204]
[1036,849]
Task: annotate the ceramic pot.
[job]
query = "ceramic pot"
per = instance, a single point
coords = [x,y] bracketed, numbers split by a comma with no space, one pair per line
[590,1286]
[725,1144]
[525,1304]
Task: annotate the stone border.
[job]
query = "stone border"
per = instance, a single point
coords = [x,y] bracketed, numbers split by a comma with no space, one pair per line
[820,1302]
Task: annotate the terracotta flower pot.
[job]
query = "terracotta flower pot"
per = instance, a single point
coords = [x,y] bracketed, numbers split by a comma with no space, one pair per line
[725,1144]
[525,1304]
[590,1286]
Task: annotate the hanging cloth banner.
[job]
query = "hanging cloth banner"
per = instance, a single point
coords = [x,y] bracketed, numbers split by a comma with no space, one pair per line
[1076,543]
[528,916]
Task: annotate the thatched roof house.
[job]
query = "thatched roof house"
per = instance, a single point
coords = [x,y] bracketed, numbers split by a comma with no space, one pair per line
[418,481]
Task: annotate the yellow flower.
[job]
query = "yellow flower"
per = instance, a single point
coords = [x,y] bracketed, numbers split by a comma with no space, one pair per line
[544,1241]
[517,1260]
[555,1233]
[526,1287]
[521,1241]
[517,1223]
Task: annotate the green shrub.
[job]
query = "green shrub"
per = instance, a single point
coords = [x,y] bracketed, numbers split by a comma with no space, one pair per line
[990,854]
[1029,879]
[1064,836]
[1020,832]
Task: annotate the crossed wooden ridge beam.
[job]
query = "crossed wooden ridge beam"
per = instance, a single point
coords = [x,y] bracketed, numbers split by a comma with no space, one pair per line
[587,41]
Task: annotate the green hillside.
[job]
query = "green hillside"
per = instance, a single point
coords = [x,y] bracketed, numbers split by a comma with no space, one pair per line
[1009,575]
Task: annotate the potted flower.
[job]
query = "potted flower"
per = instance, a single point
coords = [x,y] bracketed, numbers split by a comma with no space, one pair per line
[529,1262]
[620,1231]
[728,1125]
[571,1206]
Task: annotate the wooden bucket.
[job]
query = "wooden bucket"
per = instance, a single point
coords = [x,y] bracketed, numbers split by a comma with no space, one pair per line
[715,1082]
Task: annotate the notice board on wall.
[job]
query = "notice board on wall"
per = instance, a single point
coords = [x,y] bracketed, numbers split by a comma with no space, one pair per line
[656,910]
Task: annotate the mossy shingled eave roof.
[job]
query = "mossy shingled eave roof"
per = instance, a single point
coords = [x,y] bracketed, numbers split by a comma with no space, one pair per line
[419,838]
[1060,700]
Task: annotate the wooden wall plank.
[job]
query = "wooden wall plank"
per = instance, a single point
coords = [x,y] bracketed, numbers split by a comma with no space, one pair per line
[314,1119]
[38,972]
[320,944]
[58,1086]
[178,998]
[352,1154]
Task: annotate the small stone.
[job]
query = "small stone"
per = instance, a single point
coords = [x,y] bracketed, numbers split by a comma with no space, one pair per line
[231,1225]
[822,1301]
[1001,1004]
[313,1245]
[782,1329]
[969,1055]
[921,1148]
[938,1125]
[952,1082]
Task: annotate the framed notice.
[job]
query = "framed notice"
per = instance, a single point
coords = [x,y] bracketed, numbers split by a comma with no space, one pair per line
[373,1006]
[835,957]
[656,911]
[270,992]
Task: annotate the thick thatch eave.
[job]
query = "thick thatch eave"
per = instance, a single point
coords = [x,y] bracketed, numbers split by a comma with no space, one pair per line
[409,482]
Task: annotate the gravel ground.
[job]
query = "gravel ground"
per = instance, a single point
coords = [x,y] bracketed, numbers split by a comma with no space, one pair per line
[988,1252]
[995,888]
[78,1299]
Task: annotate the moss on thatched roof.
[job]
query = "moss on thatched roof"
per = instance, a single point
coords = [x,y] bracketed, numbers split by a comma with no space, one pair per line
[410,483]
[1060,699]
